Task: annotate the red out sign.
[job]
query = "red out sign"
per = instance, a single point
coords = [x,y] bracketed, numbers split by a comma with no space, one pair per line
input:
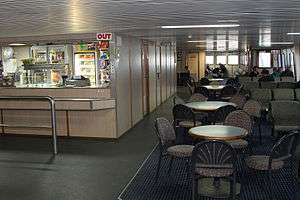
[104,36]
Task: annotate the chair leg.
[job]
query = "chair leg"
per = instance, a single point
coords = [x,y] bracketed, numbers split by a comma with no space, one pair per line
[270,185]
[234,187]
[158,166]
[293,179]
[170,164]
[260,131]
[195,188]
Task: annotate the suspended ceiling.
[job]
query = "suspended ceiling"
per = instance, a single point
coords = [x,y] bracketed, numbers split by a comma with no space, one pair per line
[258,20]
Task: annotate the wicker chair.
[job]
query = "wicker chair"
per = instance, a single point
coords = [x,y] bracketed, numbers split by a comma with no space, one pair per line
[280,156]
[263,96]
[254,109]
[220,115]
[198,97]
[184,117]
[178,100]
[240,119]
[202,90]
[204,81]
[167,144]
[239,100]
[191,88]
[228,92]
[213,159]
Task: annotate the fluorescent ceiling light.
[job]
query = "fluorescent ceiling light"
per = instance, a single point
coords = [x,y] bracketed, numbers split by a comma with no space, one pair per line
[282,43]
[17,44]
[228,21]
[293,33]
[203,26]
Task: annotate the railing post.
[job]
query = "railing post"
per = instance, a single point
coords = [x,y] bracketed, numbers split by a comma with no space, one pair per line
[51,101]
[53,124]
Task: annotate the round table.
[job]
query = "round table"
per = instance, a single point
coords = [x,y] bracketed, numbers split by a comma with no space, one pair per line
[214,87]
[208,105]
[216,79]
[218,132]
[216,187]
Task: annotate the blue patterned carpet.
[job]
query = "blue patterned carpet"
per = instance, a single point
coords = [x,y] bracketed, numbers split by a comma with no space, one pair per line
[177,185]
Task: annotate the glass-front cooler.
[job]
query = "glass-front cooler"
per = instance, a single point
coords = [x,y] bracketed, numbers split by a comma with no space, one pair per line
[85,56]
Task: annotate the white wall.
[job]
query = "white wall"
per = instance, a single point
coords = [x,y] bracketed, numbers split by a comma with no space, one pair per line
[129,80]
[136,80]
[123,87]
[152,76]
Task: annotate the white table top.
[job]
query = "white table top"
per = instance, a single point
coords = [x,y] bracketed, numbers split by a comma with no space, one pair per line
[216,79]
[208,105]
[214,87]
[218,132]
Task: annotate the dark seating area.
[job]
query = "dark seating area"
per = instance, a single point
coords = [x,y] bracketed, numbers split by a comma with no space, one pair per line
[262,165]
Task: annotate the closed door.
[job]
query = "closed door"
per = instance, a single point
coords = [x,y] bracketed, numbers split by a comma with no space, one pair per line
[145,63]
[163,74]
[158,75]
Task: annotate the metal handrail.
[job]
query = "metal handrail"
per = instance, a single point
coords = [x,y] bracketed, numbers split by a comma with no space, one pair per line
[51,101]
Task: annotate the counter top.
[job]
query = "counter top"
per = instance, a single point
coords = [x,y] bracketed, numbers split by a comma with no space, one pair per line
[48,86]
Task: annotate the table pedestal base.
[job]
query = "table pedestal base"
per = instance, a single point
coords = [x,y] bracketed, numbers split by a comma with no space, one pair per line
[209,188]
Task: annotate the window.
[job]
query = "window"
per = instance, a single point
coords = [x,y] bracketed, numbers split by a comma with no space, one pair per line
[279,60]
[221,59]
[233,60]
[209,60]
[264,59]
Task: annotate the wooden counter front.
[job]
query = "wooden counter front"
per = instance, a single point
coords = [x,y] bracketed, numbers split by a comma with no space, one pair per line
[80,112]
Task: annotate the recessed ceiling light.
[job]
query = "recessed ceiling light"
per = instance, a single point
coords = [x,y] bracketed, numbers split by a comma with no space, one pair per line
[17,44]
[293,33]
[204,41]
[202,26]
[190,36]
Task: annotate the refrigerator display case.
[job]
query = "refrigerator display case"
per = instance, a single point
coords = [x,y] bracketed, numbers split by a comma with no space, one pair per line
[85,57]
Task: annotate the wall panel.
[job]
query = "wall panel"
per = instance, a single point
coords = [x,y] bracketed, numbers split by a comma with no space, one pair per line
[158,75]
[163,73]
[123,89]
[152,76]
[136,80]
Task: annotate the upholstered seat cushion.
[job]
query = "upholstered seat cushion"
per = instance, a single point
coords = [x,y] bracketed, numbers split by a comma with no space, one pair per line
[238,144]
[189,124]
[261,162]
[214,172]
[290,122]
[181,150]
[297,152]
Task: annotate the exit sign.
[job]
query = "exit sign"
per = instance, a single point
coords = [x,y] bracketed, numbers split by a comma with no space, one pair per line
[104,36]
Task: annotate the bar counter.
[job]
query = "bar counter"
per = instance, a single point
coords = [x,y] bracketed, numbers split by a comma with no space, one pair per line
[80,112]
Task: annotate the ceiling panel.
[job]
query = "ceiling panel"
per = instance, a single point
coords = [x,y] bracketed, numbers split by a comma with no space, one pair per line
[19,18]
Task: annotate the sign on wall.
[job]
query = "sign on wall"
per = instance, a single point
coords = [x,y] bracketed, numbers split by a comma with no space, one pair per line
[104,36]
